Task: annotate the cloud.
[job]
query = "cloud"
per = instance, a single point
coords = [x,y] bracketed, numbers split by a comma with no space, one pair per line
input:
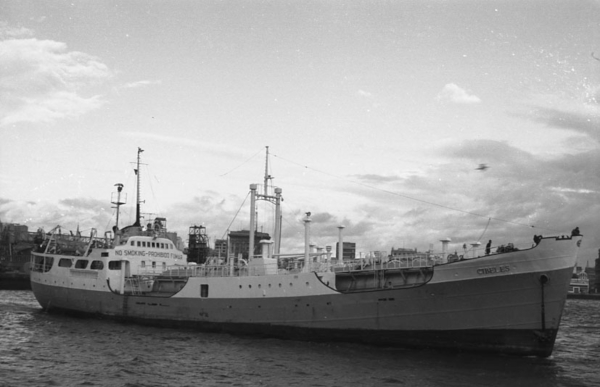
[42,81]
[68,213]
[135,85]
[454,94]
[579,113]
[14,32]
[365,94]
[373,178]
[585,122]
[227,150]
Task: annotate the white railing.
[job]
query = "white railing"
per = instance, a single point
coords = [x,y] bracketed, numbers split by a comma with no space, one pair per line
[582,281]
[402,263]
[290,264]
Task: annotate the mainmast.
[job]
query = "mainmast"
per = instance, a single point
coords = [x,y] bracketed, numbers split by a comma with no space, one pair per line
[137,200]
[275,199]
[267,176]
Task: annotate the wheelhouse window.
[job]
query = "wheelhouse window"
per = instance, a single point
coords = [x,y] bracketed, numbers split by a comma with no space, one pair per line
[65,262]
[97,265]
[81,264]
[139,243]
[48,264]
[132,243]
[42,264]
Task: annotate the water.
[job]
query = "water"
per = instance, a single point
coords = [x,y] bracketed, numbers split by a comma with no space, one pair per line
[40,349]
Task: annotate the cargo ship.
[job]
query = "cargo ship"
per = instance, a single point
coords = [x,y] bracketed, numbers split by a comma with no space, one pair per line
[507,302]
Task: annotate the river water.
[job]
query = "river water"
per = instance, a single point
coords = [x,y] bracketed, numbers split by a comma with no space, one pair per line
[40,349]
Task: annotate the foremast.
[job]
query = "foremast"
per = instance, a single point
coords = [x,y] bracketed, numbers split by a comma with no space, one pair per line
[137,199]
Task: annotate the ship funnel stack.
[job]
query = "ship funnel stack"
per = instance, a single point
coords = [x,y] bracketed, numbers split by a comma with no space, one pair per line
[266,248]
[340,252]
[253,188]
[445,243]
[307,243]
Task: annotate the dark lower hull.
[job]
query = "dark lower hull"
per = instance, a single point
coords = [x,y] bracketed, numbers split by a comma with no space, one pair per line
[524,342]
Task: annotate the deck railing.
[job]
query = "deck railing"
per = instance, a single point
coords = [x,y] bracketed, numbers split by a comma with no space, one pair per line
[288,267]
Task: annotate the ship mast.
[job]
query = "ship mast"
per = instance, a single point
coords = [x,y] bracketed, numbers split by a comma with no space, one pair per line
[267,176]
[118,201]
[137,200]
[275,199]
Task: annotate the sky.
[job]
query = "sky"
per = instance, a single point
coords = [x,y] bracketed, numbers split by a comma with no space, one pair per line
[377,115]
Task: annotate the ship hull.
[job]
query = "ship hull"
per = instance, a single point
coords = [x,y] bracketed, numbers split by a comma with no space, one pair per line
[472,306]
[509,341]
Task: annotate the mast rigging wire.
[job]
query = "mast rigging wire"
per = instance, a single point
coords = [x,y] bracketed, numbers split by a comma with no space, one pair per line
[485,229]
[251,157]
[236,214]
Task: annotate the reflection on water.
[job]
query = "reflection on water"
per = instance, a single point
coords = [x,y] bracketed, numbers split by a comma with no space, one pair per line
[45,349]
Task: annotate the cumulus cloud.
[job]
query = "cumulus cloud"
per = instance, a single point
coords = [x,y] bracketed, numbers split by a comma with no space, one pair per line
[452,93]
[43,81]
[7,31]
[68,213]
